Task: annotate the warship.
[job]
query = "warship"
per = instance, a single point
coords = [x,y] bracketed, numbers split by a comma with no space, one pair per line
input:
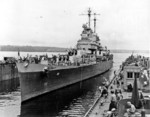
[44,75]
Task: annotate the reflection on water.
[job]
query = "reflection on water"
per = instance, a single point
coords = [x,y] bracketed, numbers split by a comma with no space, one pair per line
[72,101]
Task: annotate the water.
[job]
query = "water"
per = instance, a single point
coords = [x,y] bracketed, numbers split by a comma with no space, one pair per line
[73,101]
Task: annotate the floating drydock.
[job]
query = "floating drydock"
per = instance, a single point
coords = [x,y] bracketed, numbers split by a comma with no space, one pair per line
[88,59]
[134,72]
[8,77]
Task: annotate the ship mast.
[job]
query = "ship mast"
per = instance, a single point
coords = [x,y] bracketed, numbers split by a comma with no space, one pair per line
[89,16]
[95,22]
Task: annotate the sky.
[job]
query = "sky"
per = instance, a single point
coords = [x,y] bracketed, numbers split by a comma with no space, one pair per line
[122,24]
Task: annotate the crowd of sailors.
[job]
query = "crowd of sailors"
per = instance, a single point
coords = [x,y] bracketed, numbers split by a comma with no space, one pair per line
[115,96]
[71,58]
[137,60]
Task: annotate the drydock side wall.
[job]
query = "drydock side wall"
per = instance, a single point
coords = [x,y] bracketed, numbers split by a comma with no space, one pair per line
[8,77]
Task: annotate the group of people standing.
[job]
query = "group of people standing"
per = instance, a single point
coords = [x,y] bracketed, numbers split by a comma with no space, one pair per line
[116,96]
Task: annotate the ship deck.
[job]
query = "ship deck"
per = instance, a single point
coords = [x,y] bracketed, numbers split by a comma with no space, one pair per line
[32,67]
[98,110]
[40,67]
[57,67]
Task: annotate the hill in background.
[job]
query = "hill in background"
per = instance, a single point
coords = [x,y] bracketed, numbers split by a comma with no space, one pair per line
[56,49]
[32,48]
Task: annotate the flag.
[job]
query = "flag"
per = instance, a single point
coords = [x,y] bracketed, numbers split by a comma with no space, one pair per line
[135,94]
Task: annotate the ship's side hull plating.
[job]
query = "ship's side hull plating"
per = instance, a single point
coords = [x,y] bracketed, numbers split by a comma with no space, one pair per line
[35,83]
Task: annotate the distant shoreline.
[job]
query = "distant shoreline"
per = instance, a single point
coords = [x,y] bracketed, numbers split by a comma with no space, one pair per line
[130,51]
[57,49]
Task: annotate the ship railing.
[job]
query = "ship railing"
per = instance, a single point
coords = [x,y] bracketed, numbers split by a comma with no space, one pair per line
[74,63]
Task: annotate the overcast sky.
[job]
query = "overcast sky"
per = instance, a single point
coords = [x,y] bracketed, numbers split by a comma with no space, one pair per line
[123,24]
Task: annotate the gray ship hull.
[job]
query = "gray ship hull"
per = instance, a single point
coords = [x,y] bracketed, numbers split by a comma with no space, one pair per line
[34,82]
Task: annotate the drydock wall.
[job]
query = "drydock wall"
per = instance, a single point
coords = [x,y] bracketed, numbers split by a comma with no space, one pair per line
[8,77]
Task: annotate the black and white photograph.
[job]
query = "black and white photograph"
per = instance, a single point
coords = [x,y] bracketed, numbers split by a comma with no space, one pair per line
[74,58]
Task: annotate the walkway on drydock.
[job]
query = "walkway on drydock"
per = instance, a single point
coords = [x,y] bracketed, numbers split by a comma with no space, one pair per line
[97,110]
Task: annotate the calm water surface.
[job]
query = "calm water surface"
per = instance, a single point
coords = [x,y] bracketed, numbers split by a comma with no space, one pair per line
[72,101]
